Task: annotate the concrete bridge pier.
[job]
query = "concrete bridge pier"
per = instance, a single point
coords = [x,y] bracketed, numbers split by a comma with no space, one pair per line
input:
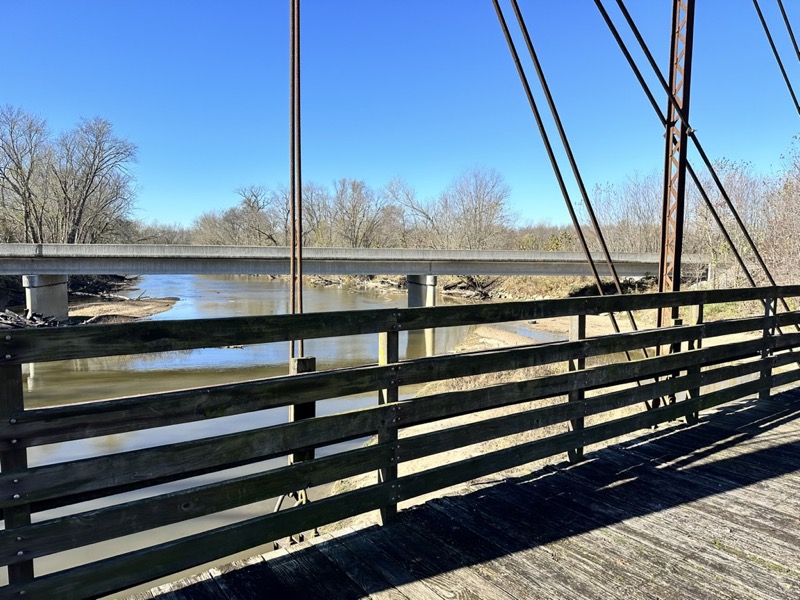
[421,290]
[46,295]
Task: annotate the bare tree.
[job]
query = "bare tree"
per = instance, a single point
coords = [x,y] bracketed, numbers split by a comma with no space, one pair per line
[760,207]
[479,199]
[357,213]
[93,188]
[471,213]
[260,212]
[139,232]
[630,213]
[24,165]
[77,189]
[318,227]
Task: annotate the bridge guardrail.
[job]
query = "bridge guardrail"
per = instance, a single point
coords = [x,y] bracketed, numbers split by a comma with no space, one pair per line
[539,401]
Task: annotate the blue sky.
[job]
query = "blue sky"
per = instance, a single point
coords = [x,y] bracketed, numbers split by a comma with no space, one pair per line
[418,89]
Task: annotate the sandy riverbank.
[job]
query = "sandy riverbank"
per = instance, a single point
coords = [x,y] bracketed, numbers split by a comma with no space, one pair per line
[119,310]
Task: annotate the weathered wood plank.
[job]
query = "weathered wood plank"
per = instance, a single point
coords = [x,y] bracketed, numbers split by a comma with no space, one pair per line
[493,556]
[41,426]
[329,580]
[576,513]
[447,316]
[484,430]
[141,468]
[625,497]
[389,354]
[81,529]
[14,464]
[358,570]
[441,571]
[199,587]
[557,579]
[48,344]
[249,579]
[449,404]
[134,568]
[165,336]
[362,544]
[551,532]
[79,421]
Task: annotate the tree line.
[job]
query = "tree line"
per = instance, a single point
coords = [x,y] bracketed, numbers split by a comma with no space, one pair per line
[79,187]
[75,187]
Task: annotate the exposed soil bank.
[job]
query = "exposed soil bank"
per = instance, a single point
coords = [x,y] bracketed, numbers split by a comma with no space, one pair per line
[117,310]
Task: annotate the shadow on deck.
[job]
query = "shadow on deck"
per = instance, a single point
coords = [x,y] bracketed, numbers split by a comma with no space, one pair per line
[709,511]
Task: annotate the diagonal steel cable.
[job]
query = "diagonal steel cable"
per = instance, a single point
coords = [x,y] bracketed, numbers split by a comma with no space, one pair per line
[789,29]
[571,158]
[776,54]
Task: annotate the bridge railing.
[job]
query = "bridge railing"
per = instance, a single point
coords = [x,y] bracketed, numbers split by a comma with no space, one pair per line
[591,401]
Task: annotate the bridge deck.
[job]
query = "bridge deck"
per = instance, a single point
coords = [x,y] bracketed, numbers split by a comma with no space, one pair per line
[711,511]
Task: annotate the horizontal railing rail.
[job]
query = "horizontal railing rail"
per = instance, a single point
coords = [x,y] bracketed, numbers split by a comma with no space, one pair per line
[58,424]
[43,345]
[524,391]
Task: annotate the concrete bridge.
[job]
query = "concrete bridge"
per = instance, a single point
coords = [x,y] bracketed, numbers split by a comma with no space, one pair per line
[45,267]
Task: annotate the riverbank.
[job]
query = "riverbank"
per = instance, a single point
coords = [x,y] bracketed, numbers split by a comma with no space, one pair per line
[118,310]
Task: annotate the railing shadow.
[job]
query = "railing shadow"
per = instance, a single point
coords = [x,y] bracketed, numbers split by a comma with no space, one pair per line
[660,470]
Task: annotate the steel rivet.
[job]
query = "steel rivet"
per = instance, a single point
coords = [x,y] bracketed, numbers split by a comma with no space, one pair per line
[15,496]
[19,538]
[8,357]
[16,481]
[20,553]
[14,441]
[12,421]
[8,338]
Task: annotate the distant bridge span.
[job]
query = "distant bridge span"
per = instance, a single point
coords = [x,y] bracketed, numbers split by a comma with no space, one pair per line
[87,259]
[45,267]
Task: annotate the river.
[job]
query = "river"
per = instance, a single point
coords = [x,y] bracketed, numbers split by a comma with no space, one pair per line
[203,296]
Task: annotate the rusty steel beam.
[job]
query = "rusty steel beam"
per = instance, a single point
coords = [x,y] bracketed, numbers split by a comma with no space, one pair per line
[295,179]
[675,155]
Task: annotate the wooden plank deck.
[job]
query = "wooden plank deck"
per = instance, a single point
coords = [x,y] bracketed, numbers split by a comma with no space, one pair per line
[710,511]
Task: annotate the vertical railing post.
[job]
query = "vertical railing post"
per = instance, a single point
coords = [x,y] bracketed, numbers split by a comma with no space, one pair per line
[307,410]
[299,412]
[12,461]
[577,331]
[695,344]
[674,348]
[770,308]
[388,354]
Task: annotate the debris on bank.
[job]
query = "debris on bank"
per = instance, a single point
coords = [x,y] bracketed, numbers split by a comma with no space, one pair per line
[11,320]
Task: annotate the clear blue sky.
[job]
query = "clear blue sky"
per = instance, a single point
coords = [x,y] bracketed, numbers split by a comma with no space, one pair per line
[420,89]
